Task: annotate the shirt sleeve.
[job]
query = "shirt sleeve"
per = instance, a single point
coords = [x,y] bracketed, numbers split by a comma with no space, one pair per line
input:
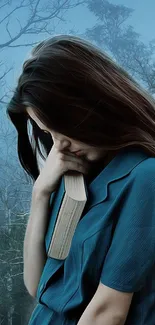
[131,256]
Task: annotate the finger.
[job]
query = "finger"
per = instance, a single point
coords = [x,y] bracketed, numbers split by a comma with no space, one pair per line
[72,157]
[70,165]
[77,162]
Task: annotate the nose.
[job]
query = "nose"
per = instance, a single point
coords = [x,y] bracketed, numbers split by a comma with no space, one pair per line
[62,144]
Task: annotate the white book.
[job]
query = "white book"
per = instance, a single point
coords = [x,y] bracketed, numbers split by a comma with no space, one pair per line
[69,212]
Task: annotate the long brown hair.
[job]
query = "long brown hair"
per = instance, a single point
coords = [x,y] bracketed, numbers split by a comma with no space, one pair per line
[79,91]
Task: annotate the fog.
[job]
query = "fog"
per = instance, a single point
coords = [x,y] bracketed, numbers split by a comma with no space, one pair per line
[22,25]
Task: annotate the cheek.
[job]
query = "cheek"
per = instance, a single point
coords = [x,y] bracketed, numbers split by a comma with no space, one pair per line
[93,155]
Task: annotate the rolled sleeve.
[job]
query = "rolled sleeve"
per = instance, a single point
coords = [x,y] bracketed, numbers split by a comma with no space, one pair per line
[131,256]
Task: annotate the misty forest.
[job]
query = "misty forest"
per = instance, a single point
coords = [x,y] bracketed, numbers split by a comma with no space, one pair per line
[125,30]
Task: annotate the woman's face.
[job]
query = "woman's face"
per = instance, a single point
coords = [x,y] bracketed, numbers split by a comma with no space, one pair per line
[64,143]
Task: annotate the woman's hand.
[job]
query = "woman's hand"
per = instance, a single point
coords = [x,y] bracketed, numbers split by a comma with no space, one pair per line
[57,163]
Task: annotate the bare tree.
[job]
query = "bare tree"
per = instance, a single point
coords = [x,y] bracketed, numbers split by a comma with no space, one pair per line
[120,39]
[40,18]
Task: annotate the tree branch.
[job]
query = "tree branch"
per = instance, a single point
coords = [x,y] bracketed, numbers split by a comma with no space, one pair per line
[5,73]
[11,12]
[5,4]
[2,101]
[7,28]
[23,45]
[36,19]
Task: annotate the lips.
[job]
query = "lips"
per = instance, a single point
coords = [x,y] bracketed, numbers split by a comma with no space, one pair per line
[78,153]
[75,151]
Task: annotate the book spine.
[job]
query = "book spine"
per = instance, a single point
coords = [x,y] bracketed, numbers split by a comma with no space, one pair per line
[55,204]
[69,217]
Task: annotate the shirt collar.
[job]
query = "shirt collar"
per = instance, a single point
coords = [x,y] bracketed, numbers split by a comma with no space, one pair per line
[121,165]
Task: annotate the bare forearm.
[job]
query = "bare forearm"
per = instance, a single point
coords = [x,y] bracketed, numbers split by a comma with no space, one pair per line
[34,249]
[101,318]
[34,261]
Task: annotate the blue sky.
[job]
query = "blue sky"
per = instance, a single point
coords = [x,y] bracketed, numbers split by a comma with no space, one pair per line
[79,19]
[142,19]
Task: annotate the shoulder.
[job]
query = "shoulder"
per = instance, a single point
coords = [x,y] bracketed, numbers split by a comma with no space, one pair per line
[144,173]
[139,192]
[137,199]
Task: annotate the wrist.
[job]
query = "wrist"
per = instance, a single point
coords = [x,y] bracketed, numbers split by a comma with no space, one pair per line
[41,190]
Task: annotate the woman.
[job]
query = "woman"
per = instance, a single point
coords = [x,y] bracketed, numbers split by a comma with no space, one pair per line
[90,116]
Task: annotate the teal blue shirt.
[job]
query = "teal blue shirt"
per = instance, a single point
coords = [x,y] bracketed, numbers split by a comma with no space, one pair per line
[114,243]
